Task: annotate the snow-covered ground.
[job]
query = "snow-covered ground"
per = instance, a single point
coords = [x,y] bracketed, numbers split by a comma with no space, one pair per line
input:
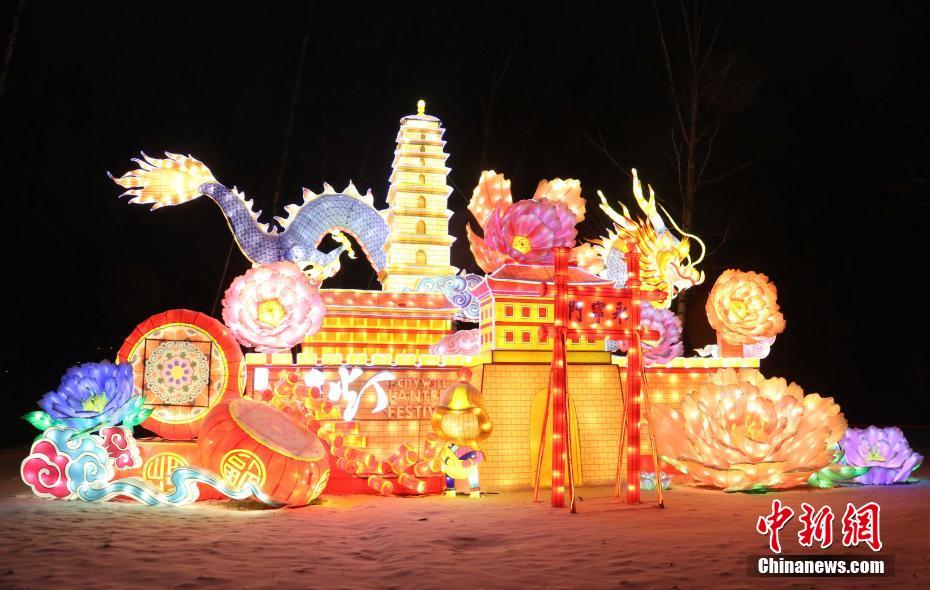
[702,539]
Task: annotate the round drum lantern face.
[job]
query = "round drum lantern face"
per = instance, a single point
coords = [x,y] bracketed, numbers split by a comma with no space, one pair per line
[248,442]
[178,372]
[264,424]
[184,363]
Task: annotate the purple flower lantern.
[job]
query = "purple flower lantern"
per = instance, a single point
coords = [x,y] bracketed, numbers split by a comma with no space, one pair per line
[884,451]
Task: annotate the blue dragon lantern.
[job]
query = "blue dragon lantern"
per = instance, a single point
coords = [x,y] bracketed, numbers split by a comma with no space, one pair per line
[177,179]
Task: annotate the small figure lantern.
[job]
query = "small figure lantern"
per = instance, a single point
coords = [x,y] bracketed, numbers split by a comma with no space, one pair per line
[461,422]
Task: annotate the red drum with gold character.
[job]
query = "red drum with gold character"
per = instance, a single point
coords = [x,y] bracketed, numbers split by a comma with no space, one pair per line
[248,441]
[184,363]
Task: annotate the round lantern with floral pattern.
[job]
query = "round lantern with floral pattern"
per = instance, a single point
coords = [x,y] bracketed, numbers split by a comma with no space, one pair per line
[184,363]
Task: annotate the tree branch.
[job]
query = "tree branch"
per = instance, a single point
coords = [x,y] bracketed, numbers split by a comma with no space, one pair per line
[691,44]
[726,234]
[678,174]
[733,170]
[710,149]
[713,37]
[602,147]
[668,69]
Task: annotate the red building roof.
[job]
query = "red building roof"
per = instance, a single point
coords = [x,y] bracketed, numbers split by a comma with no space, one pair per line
[528,280]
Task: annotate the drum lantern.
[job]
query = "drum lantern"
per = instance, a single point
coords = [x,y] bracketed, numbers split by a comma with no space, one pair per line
[244,440]
[184,363]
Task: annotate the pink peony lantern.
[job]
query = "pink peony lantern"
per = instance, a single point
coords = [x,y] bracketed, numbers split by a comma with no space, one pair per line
[525,231]
[742,432]
[272,308]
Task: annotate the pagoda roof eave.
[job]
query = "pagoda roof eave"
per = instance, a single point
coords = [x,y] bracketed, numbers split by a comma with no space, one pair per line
[429,118]
[528,279]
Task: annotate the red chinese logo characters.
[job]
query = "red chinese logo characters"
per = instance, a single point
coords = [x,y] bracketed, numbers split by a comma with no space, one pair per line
[818,526]
[770,525]
[860,525]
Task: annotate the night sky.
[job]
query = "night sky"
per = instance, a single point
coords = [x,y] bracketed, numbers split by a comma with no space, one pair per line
[826,104]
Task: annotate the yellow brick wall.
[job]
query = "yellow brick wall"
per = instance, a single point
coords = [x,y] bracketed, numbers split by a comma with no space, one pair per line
[667,388]
[508,392]
[595,391]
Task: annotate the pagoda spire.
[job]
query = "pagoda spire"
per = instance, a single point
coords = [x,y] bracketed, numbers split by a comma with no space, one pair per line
[419,244]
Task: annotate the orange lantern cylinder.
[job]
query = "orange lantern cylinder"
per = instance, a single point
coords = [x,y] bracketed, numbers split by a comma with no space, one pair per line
[411,483]
[184,363]
[422,469]
[247,441]
[380,485]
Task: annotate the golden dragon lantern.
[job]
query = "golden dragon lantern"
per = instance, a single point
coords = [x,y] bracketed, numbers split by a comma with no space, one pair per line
[665,259]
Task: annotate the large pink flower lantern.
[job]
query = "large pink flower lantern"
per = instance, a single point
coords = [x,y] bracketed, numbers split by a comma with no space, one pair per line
[273,307]
[740,431]
[525,231]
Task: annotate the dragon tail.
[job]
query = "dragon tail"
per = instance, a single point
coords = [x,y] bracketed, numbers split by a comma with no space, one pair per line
[165,182]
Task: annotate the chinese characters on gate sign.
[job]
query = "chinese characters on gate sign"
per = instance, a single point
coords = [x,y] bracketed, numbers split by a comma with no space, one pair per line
[860,525]
[596,310]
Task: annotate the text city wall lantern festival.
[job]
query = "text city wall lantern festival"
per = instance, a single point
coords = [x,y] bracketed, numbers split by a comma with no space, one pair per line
[284,429]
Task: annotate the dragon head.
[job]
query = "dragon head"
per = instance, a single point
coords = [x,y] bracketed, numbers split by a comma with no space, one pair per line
[665,259]
[319,272]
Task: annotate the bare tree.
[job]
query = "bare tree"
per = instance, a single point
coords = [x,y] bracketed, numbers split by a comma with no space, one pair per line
[10,44]
[295,96]
[489,102]
[693,86]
